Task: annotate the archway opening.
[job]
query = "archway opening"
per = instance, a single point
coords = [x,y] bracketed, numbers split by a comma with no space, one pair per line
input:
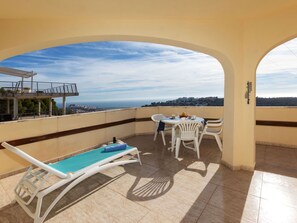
[276,109]
[125,74]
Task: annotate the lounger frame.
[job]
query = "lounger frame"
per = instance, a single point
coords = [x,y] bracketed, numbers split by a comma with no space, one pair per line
[31,184]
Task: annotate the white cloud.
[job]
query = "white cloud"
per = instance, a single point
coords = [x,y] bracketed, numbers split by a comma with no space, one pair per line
[169,73]
[277,72]
[135,70]
[157,71]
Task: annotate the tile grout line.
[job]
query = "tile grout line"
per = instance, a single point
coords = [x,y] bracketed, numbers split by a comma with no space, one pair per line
[260,201]
[224,213]
[137,203]
[230,190]
[264,158]
[143,217]
[11,200]
[295,151]
[131,201]
[207,202]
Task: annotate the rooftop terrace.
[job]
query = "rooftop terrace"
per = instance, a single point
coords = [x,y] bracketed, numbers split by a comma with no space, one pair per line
[165,189]
[36,89]
[238,34]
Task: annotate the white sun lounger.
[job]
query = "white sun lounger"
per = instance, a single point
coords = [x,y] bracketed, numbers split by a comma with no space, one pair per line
[72,170]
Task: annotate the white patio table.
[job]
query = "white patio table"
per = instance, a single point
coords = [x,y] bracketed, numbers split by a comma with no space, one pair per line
[174,121]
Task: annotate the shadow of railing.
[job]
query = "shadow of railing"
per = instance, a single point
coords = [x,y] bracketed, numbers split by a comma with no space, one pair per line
[224,197]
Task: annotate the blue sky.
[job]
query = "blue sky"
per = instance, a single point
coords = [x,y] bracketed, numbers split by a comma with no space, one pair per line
[106,71]
[277,72]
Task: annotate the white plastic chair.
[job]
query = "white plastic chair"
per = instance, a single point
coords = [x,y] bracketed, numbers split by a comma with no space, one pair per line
[213,128]
[188,130]
[157,118]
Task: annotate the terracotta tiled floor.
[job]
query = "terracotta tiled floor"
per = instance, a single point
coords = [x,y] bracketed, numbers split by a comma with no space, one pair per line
[165,189]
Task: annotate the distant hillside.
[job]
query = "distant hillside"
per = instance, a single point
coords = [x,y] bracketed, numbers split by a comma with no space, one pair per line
[285,101]
[215,101]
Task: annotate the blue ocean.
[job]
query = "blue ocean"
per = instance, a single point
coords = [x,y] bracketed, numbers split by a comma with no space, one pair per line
[113,104]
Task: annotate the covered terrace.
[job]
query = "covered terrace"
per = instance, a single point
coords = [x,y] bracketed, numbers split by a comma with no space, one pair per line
[239,34]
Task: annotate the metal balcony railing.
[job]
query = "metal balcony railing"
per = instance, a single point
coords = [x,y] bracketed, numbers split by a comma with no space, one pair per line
[38,87]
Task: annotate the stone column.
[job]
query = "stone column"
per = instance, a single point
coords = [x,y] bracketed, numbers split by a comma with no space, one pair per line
[239,118]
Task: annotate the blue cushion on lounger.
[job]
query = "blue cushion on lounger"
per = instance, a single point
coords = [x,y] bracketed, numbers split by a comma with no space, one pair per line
[80,161]
[115,147]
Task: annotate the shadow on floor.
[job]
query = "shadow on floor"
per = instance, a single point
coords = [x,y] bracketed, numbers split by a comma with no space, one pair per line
[223,197]
[278,160]
[15,214]
[161,157]
[217,194]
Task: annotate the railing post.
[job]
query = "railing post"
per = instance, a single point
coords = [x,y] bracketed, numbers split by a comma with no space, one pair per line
[50,107]
[8,106]
[64,105]
[22,85]
[32,84]
[39,107]
[15,108]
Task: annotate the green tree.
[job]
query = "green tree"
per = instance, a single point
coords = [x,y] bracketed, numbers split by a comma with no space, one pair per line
[30,106]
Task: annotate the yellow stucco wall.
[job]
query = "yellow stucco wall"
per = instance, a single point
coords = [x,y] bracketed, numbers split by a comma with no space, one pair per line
[284,136]
[59,147]
[62,146]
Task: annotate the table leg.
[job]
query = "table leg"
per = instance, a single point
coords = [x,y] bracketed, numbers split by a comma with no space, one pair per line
[172,139]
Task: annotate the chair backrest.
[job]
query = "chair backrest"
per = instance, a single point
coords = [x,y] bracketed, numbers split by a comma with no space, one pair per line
[220,120]
[189,129]
[215,126]
[157,117]
[34,161]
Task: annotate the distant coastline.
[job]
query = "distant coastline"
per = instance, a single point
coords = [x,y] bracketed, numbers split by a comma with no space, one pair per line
[81,107]
[216,101]
[112,104]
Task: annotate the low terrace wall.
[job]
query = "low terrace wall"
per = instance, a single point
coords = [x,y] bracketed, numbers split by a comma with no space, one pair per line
[55,137]
[51,138]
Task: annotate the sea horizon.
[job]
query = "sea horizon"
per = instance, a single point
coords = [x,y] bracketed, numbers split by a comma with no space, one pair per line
[114,104]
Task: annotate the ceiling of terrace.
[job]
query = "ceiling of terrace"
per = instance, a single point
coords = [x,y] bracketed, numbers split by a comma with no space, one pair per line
[192,9]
